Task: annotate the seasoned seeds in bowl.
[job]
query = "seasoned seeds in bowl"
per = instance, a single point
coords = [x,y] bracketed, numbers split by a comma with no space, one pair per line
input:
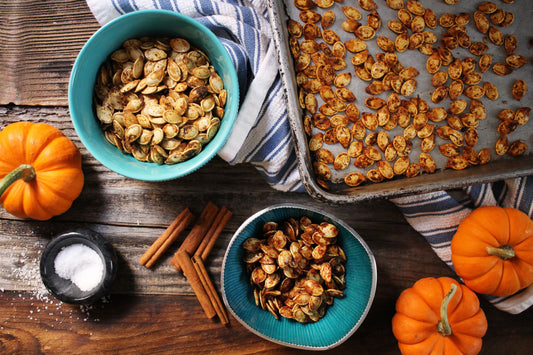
[296,268]
[159,99]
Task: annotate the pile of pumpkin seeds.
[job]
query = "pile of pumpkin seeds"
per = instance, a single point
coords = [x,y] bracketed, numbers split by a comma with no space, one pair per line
[159,99]
[397,133]
[296,268]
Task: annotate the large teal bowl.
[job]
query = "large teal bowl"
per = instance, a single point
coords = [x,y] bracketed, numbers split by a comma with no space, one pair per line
[109,38]
[342,319]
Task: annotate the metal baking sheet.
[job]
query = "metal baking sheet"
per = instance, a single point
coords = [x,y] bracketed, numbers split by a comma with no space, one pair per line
[500,167]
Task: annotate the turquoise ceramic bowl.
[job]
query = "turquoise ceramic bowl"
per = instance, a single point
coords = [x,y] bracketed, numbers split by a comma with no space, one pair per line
[109,38]
[341,320]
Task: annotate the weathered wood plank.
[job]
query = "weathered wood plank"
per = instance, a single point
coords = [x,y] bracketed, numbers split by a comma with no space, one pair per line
[164,324]
[161,324]
[38,46]
[157,324]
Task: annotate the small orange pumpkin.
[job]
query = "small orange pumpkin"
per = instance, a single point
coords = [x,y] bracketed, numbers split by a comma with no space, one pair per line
[40,170]
[439,316]
[492,250]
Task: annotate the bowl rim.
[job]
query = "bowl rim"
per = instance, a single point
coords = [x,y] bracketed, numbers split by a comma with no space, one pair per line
[373,267]
[169,172]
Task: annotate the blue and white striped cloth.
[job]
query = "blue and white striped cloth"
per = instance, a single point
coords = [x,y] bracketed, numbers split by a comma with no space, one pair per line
[261,135]
[437,215]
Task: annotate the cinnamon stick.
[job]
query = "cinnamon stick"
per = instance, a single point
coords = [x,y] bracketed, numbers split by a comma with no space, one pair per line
[169,236]
[210,288]
[186,264]
[197,233]
[213,233]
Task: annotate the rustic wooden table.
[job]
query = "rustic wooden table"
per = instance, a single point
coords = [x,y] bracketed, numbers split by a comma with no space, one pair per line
[155,311]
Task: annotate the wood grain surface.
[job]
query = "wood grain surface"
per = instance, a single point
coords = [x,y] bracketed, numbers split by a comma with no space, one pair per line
[39,41]
[155,311]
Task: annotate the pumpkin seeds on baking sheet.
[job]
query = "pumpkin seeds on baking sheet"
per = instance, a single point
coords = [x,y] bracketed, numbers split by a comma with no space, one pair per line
[454,63]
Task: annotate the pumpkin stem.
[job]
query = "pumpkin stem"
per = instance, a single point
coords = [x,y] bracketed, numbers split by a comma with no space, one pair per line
[505,252]
[25,172]
[444,325]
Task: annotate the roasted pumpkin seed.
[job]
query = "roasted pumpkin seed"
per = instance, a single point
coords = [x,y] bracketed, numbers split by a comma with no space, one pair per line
[516,61]
[519,89]
[412,170]
[507,126]
[375,175]
[481,21]
[408,87]
[396,26]
[365,33]
[428,144]
[506,114]
[474,92]
[484,156]
[401,165]
[447,20]
[368,5]
[355,45]
[491,91]
[342,161]
[510,44]
[304,4]
[430,18]
[427,163]
[502,145]
[508,20]
[471,136]
[439,94]
[354,179]
[355,149]
[478,48]
[501,69]
[363,162]
[496,36]
[485,62]
[457,163]
[522,115]
[517,148]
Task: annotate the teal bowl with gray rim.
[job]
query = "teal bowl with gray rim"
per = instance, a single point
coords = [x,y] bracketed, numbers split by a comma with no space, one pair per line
[152,23]
[341,319]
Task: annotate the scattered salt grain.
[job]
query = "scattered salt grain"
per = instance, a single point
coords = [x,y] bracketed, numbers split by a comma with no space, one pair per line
[80,264]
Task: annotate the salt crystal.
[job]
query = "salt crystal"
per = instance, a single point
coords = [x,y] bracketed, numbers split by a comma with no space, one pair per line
[80,264]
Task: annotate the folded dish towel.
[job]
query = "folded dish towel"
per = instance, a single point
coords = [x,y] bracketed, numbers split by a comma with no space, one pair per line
[261,135]
[437,215]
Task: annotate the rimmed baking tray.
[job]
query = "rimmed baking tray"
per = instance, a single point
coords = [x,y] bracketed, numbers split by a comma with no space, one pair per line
[500,167]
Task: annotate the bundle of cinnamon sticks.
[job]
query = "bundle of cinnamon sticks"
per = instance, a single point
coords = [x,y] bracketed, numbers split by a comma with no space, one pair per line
[192,253]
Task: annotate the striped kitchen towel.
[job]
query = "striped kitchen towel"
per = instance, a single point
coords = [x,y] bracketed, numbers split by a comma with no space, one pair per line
[261,135]
[437,215]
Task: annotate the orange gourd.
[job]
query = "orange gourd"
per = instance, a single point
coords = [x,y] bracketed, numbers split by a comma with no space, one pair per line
[40,170]
[439,316]
[492,250]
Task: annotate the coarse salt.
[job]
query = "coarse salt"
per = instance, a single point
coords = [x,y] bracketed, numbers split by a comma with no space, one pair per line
[81,265]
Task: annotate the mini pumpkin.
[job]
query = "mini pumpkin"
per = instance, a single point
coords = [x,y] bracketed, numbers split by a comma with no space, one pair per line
[40,170]
[439,316]
[492,250]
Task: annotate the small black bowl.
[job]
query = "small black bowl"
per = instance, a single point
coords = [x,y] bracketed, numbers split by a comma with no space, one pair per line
[65,290]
